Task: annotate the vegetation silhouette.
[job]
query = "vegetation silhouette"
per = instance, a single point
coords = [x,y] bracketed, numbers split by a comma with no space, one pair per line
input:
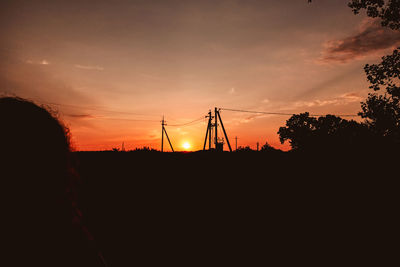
[43,225]
[380,111]
[328,132]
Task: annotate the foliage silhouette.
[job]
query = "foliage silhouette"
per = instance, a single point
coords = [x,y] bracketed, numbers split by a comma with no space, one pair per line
[268,148]
[244,149]
[326,132]
[387,10]
[382,111]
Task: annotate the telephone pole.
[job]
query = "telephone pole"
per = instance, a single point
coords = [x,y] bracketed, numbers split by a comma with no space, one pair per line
[162,134]
[218,144]
[163,124]
[236,143]
[209,131]
[258,145]
[216,127]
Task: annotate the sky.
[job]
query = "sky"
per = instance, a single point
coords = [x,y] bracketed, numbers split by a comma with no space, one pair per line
[112,69]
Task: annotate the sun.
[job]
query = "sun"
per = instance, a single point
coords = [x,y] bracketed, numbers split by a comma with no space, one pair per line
[186,145]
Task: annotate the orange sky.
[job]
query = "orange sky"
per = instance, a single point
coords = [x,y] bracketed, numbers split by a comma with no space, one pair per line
[116,67]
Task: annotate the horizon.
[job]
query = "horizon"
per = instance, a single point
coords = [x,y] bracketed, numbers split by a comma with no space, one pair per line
[113,70]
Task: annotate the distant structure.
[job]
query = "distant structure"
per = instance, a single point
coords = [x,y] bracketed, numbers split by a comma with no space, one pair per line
[236,138]
[218,142]
[123,147]
[163,124]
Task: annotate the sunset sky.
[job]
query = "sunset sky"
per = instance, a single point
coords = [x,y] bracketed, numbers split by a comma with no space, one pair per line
[112,69]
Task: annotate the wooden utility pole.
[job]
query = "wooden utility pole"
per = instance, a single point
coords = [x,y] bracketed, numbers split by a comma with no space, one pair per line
[210,126]
[208,132]
[163,123]
[162,134]
[236,143]
[223,129]
[216,128]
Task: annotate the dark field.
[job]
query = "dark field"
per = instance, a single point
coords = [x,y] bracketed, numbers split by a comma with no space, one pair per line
[213,209]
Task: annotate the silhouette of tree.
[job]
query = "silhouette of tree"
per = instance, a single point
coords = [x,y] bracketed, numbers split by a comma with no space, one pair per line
[385,74]
[298,130]
[305,132]
[387,10]
[244,149]
[267,148]
[382,111]
[382,114]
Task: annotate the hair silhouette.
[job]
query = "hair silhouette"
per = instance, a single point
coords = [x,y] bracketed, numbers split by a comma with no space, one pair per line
[42,226]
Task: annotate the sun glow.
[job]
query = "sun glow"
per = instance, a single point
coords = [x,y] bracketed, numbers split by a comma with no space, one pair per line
[186,145]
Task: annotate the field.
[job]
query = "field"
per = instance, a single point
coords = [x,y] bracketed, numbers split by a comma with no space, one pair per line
[152,208]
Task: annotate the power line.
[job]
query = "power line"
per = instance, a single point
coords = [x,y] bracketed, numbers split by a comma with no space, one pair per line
[188,123]
[96,109]
[284,114]
[125,119]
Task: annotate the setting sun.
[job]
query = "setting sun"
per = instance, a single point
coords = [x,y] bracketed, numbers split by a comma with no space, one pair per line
[186,145]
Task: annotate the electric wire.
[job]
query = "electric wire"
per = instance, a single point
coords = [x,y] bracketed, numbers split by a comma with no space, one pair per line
[96,109]
[188,123]
[285,114]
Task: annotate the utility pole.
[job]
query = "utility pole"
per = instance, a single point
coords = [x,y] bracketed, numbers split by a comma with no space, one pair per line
[210,126]
[163,124]
[208,132]
[258,145]
[162,134]
[216,127]
[236,143]
[223,129]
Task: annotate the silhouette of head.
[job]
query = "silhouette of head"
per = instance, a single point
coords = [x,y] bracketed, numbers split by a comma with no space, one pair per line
[34,148]
[35,145]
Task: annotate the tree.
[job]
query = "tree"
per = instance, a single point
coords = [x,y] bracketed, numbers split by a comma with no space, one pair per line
[304,132]
[298,130]
[382,114]
[388,11]
[386,74]
[382,111]
[267,148]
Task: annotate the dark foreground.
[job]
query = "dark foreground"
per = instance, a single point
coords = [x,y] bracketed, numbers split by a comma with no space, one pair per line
[247,209]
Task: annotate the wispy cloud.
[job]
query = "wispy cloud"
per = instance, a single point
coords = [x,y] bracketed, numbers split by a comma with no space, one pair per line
[339,100]
[232,91]
[41,62]
[369,39]
[80,116]
[302,106]
[86,67]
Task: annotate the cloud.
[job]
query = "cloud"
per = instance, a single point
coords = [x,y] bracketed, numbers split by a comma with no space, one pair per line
[80,116]
[370,38]
[343,99]
[26,80]
[84,67]
[41,62]
[232,91]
